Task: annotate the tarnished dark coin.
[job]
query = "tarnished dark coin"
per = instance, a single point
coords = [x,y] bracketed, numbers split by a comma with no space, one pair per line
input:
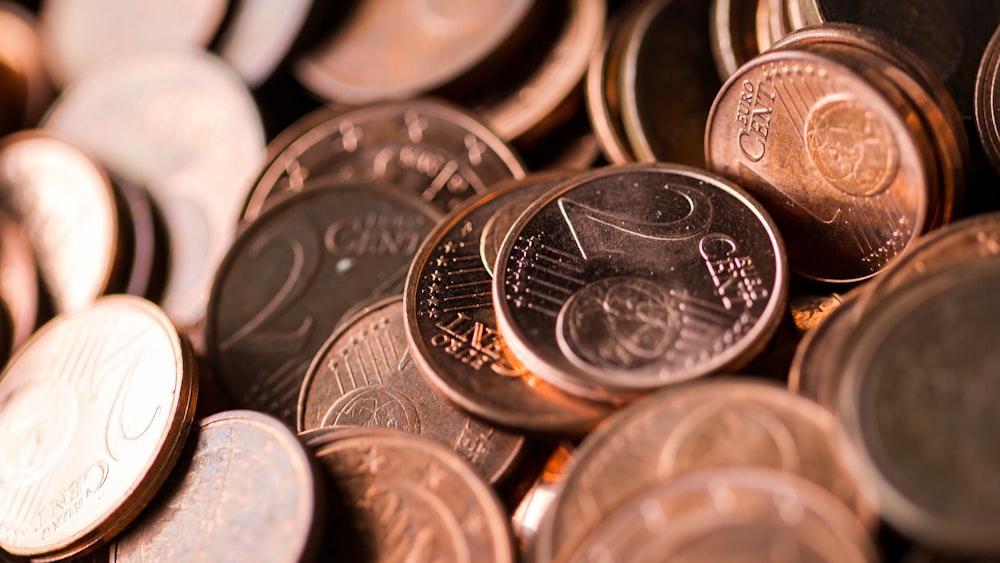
[918,407]
[80,36]
[733,34]
[987,101]
[258,34]
[67,206]
[629,278]
[668,34]
[833,156]
[289,278]
[94,410]
[422,147]
[247,492]
[18,279]
[364,376]
[395,496]
[452,332]
[701,426]
[25,90]
[736,515]
[181,124]
[388,52]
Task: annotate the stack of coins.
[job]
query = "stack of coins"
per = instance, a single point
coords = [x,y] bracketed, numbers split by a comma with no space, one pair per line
[498,281]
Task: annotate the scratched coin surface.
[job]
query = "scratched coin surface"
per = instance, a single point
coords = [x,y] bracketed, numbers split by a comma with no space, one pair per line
[832,157]
[422,147]
[451,327]
[632,277]
[94,410]
[683,430]
[365,376]
[245,491]
[737,515]
[290,277]
[181,124]
[918,406]
[67,206]
[395,496]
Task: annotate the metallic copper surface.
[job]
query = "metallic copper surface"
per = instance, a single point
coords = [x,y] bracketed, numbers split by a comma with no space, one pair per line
[815,370]
[181,124]
[733,34]
[18,279]
[147,268]
[987,101]
[451,328]
[399,497]
[390,51]
[80,36]
[423,147]
[24,87]
[290,277]
[259,34]
[95,410]
[698,427]
[504,213]
[660,126]
[527,518]
[833,157]
[67,206]
[247,492]
[918,410]
[632,277]
[601,93]
[735,515]
[365,376]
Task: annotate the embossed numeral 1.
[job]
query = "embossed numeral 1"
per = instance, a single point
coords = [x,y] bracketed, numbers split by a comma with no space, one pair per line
[590,225]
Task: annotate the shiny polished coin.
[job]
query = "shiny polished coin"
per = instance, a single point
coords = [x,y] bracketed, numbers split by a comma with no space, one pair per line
[422,147]
[815,372]
[734,515]
[733,34]
[290,277]
[698,427]
[668,128]
[395,496]
[987,101]
[451,328]
[365,376]
[247,492]
[94,410]
[80,36]
[18,280]
[181,124]
[832,156]
[632,277]
[601,93]
[67,206]
[917,406]
[25,90]
[385,51]
[259,34]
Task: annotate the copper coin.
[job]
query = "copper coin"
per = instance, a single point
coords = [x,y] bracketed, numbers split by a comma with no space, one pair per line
[81,36]
[144,226]
[733,34]
[364,376]
[831,155]
[601,93]
[422,147]
[987,101]
[291,275]
[396,497]
[26,91]
[181,124]
[528,516]
[734,515]
[917,407]
[18,279]
[95,410]
[387,51]
[451,328]
[246,493]
[668,33]
[701,426]
[632,277]
[67,205]
[814,372]
[259,34]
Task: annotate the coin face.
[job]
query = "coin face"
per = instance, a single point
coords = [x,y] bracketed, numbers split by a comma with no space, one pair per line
[830,156]
[423,147]
[629,278]
[290,277]
[94,410]
[67,206]
[694,428]
[916,405]
[181,124]
[451,327]
[386,51]
[738,515]
[213,504]
[365,376]
[395,495]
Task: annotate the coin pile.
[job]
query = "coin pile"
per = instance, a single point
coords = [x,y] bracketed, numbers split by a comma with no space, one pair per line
[499,281]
